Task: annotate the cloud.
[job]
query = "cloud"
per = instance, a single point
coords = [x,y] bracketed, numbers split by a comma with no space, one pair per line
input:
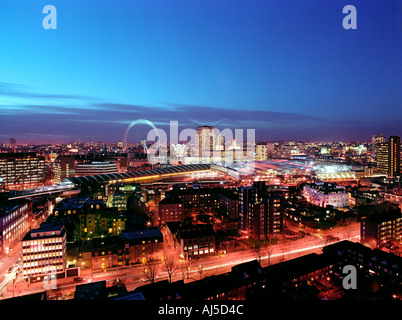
[108,120]
[22,91]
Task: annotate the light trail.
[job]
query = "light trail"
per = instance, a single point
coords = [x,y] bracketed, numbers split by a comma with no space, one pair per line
[9,277]
[231,263]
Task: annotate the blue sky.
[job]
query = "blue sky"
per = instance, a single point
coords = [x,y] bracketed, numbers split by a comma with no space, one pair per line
[285,68]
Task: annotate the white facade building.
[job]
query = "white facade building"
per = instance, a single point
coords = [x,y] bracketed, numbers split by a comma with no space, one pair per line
[325,193]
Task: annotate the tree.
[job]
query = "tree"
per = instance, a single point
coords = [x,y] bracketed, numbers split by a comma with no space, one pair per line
[269,249]
[258,252]
[151,269]
[171,265]
[185,268]
[200,270]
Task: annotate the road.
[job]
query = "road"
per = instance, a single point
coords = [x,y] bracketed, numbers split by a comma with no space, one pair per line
[134,277]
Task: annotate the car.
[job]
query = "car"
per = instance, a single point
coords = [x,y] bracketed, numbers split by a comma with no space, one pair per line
[78,279]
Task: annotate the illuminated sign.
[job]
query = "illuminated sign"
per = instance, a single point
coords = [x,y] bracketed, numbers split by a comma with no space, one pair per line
[200,175]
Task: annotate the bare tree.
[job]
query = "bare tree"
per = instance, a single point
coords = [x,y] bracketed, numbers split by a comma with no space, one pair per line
[185,268]
[171,265]
[258,252]
[151,269]
[200,270]
[269,249]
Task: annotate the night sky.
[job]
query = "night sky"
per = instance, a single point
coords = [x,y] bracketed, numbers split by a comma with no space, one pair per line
[287,69]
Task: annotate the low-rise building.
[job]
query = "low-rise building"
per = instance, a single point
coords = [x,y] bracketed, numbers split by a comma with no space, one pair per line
[192,240]
[170,209]
[143,244]
[323,194]
[129,248]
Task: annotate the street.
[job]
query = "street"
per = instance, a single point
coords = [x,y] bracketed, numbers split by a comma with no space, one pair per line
[199,268]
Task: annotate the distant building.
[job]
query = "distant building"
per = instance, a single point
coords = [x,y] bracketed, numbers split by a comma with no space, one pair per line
[377,138]
[324,194]
[389,157]
[95,168]
[206,141]
[64,167]
[20,171]
[394,156]
[382,150]
[44,251]
[261,149]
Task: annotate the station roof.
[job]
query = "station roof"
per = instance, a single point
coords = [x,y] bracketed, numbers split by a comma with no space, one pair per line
[137,174]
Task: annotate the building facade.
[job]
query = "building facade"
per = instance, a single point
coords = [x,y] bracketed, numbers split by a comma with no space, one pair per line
[394,156]
[64,167]
[380,228]
[20,171]
[382,157]
[170,209]
[261,149]
[325,193]
[95,168]
[267,219]
[14,224]
[206,141]
[44,251]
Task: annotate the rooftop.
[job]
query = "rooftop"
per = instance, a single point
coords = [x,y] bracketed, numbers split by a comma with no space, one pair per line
[196,231]
[139,234]
[104,178]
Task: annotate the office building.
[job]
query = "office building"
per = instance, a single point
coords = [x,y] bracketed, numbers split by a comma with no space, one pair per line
[44,252]
[14,223]
[64,167]
[20,171]
[376,139]
[206,141]
[261,149]
[394,156]
[389,157]
[382,151]
[12,144]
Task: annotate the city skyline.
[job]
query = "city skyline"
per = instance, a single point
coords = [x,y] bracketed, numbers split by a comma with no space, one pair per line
[288,70]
